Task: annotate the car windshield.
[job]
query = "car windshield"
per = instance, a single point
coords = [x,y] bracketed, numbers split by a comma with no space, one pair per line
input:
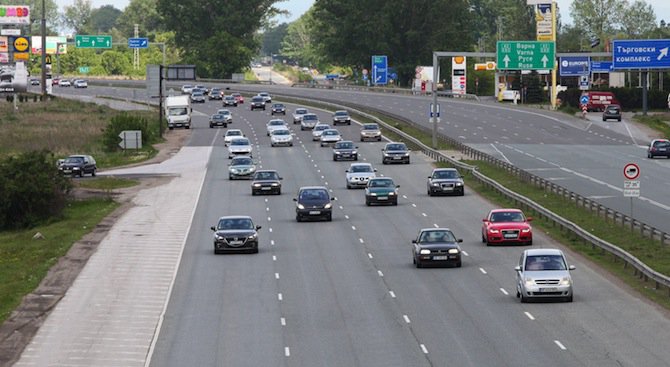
[197,94]
[545,262]
[396,147]
[229,98]
[321,127]
[276,122]
[240,142]
[233,133]
[258,99]
[662,144]
[281,132]
[381,183]
[177,111]
[74,160]
[505,217]
[317,194]
[266,176]
[330,132]
[345,145]
[437,236]
[361,168]
[445,174]
[235,223]
[341,113]
[310,117]
[370,127]
[300,111]
[242,162]
[278,106]
[217,117]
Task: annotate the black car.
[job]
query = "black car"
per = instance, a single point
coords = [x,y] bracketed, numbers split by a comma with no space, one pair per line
[229,101]
[215,93]
[278,109]
[659,148]
[218,120]
[345,149]
[445,181]
[395,153]
[257,103]
[34,81]
[613,112]
[78,165]
[313,202]
[341,117]
[235,234]
[436,246]
[266,182]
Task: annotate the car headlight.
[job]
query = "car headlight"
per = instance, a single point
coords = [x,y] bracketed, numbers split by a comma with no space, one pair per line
[327,206]
[373,194]
[300,206]
[354,152]
[274,184]
[529,282]
[257,185]
[406,154]
[436,184]
[525,230]
[234,170]
[386,155]
[218,237]
[493,230]
[391,193]
[453,251]
[459,184]
[253,236]
[424,252]
[565,281]
[75,168]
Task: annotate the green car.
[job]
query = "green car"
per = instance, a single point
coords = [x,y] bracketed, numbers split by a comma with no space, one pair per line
[381,190]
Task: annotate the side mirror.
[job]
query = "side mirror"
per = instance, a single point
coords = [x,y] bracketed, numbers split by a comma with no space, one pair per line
[375,170]
[571,267]
[346,170]
[459,240]
[517,268]
[485,220]
[213,228]
[258,227]
[397,186]
[414,241]
[281,178]
[295,199]
[333,198]
[529,219]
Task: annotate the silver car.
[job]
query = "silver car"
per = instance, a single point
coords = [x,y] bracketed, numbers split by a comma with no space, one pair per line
[281,137]
[308,121]
[318,130]
[330,136]
[241,167]
[543,273]
[298,113]
[275,124]
[359,174]
[239,146]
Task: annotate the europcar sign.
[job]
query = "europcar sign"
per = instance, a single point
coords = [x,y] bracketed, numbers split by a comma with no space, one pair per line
[14,14]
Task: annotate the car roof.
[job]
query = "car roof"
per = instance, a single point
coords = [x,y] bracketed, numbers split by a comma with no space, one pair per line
[267,170]
[331,130]
[431,229]
[344,141]
[444,169]
[361,164]
[341,111]
[506,210]
[542,251]
[235,217]
[231,130]
[313,188]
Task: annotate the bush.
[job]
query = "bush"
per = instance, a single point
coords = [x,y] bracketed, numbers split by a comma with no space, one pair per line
[119,123]
[31,190]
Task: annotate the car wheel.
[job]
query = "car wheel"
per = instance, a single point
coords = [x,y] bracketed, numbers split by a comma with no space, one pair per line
[253,193]
[395,203]
[429,192]
[348,186]
[529,243]
[459,264]
[418,264]
[384,161]
[522,298]
[254,251]
[367,202]
[649,155]
[278,191]
[230,177]
[604,119]
[568,298]
[329,218]
[518,295]
[211,126]
[379,138]
[335,158]
[81,173]
[298,218]
[407,162]
[462,192]
[216,252]
[483,239]
[619,119]
[93,173]
[356,157]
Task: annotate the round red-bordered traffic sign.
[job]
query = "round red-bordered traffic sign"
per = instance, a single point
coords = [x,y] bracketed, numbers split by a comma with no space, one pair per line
[631,171]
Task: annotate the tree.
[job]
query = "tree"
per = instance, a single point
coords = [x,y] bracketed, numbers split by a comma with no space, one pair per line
[638,19]
[145,14]
[218,36]
[298,43]
[272,39]
[103,19]
[77,16]
[598,18]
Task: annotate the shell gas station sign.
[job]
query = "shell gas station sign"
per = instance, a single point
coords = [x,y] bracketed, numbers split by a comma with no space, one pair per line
[458,75]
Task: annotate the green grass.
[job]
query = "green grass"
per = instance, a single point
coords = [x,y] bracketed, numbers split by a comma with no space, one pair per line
[25,261]
[249,75]
[659,122]
[106,183]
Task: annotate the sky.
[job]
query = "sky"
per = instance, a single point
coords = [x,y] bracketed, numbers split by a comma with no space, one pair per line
[298,7]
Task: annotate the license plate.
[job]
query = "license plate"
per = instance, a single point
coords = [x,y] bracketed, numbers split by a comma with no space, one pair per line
[397,157]
[67,171]
[314,212]
[382,198]
[440,257]
[548,289]
[447,189]
[235,242]
[510,235]
[346,155]
[266,188]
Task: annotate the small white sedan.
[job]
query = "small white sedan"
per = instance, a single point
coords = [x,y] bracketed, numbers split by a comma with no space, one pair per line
[239,146]
[232,134]
[281,137]
[318,130]
[330,136]
[275,124]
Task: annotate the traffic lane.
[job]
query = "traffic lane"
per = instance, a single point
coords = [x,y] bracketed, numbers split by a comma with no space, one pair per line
[333,306]
[223,308]
[598,175]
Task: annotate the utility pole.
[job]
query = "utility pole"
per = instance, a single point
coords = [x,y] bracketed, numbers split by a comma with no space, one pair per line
[43,82]
[136,51]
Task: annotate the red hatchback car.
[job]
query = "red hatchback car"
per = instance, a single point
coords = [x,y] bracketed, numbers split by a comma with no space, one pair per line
[503,226]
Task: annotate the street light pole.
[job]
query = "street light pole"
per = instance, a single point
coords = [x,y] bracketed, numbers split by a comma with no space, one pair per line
[43,82]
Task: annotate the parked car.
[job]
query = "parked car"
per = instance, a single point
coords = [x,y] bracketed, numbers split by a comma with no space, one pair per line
[308,121]
[381,190]
[235,234]
[197,97]
[238,97]
[298,113]
[345,149]
[266,182]
[281,137]
[80,83]
[370,131]
[445,181]
[359,174]
[239,146]
[395,153]
[257,103]
[543,273]
[341,117]
[613,112]
[217,120]
[278,109]
[504,226]
[78,165]
[313,202]
[436,246]
[329,136]
[659,148]
[232,134]
[229,101]
[241,167]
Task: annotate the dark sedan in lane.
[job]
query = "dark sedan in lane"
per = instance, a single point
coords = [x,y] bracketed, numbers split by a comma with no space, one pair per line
[235,234]
[381,190]
[395,153]
[313,202]
[436,246]
[345,149]
[278,109]
[445,181]
[266,182]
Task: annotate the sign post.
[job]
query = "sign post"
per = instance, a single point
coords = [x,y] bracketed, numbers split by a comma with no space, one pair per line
[631,187]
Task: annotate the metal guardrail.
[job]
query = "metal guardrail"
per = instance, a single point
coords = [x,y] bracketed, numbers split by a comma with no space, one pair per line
[641,269]
[404,91]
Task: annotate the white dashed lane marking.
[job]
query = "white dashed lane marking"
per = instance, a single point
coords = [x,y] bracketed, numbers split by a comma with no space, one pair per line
[560,345]
[424,349]
[529,315]
[482,270]
[504,291]
[406,318]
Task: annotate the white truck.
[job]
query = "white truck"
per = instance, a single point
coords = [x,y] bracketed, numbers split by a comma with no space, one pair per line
[178,111]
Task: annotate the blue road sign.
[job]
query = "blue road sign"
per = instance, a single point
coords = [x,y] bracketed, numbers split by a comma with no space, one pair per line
[584,99]
[575,66]
[601,66]
[138,42]
[380,69]
[641,54]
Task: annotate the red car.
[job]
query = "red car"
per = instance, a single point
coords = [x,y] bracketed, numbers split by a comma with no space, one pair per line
[503,226]
[238,97]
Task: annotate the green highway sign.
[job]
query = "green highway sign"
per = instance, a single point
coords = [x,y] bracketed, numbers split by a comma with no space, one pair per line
[83,69]
[93,41]
[525,55]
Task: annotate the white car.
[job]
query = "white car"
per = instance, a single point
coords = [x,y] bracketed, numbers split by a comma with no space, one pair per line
[232,134]
[228,115]
[308,121]
[298,113]
[80,83]
[266,97]
[330,136]
[275,124]
[186,89]
[318,130]
[64,83]
[239,146]
[543,273]
[359,174]
[281,137]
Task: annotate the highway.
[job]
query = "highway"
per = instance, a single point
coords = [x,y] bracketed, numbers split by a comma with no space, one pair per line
[345,293]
